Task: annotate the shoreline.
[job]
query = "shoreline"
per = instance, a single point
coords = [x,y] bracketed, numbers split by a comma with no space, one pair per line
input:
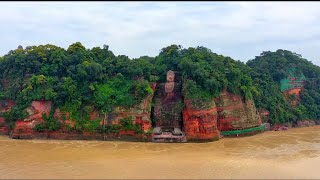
[129,137]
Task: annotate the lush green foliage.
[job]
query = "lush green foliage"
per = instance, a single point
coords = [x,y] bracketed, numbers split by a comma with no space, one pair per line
[109,129]
[49,124]
[73,79]
[310,99]
[207,73]
[120,92]
[126,124]
[269,69]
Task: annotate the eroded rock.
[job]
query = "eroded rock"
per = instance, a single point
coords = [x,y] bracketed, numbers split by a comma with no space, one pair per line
[200,124]
[237,114]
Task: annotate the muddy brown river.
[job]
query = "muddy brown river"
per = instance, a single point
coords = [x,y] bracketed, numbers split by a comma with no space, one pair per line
[274,154]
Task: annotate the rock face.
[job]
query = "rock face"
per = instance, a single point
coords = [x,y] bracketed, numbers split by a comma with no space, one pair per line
[264,114]
[296,92]
[25,127]
[139,114]
[200,124]
[293,84]
[306,123]
[237,114]
[64,117]
[3,127]
[207,121]
[36,110]
[280,127]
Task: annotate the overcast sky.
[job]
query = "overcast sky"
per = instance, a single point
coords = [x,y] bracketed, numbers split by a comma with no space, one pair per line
[241,30]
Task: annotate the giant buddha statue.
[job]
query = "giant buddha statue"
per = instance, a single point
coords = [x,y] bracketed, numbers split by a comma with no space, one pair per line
[169,85]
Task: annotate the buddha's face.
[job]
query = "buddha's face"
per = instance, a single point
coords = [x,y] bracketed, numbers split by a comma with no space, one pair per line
[170,76]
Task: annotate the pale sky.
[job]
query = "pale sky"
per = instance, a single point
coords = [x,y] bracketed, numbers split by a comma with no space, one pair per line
[241,30]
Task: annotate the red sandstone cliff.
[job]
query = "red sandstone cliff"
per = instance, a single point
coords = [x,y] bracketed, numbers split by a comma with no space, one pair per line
[207,122]
[25,127]
[140,113]
[3,127]
[296,92]
[237,114]
[200,123]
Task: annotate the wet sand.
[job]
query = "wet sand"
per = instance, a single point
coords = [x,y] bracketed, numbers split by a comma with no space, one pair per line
[274,154]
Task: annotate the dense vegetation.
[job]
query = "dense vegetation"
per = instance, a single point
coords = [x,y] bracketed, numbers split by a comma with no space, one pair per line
[269,68]
[75,80]
[206,74]
[78,80]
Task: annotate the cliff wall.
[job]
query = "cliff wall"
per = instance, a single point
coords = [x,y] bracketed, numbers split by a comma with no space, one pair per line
[207,121]
[24,128]
[139,114]
[237,114]
[199,123]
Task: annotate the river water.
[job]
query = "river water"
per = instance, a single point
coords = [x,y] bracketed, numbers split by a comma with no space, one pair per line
[273,154]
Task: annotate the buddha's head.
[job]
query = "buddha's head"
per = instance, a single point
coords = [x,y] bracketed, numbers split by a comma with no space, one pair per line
[170,76]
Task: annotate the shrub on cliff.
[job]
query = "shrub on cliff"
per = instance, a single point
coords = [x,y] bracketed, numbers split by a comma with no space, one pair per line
[14,114]
[49,123]
[109,129]
[92,126]
[41,127]
[126,124]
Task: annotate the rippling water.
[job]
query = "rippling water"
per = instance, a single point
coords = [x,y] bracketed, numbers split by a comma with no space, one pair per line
[274,154]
